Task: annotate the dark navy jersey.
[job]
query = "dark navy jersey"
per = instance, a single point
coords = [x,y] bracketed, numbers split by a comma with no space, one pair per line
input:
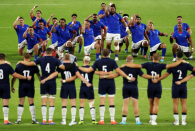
[48,66]
[106,65]
[153,69]
[67,73]
[180,72]
[131,72]
[5,70]
[26,71]
[88,76]
[193,73]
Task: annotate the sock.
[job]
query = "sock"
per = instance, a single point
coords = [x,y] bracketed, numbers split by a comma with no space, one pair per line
[184,117]
[145,50]
[124,118]
[36,56]
[81,113]
[92,112]
[20,111]
[97,55]
[51,112]
[116,55]
[44,112]
[142,49]
[32,111]
[137,119]
[112,112]
[102,112]
[5,112]
[164,51]
[73,113]
[126,49]
[64,111]
[174,55]
[154,116]
[80,46]
[176,116]
[150,116]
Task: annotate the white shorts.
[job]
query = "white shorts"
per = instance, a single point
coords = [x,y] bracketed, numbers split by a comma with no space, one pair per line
[121,40]
[87,49]
[40,46]
[75,41]
[137,45]
[155,48]
[183,48]
[55,44]
[99,37]
[110,37]
[22,44]
[30,50]
[62,47]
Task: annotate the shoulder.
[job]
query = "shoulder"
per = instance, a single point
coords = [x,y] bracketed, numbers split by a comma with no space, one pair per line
[69,23]
[78,22]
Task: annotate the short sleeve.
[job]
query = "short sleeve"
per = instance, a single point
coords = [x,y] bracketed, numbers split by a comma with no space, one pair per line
[11,70]
[76,69]
[188,35]
[57,29]
[163,66]
[71,30]
[102,25]
[94,66]
[37,61]
[190,67]
[145,65]
[193,73]
[45,23]
[33,18]
[174,35]
[58,63]
[16,27]
[187,26]
[175,28]
[48,31]
[169,71]
[69,24]
[58,70]
[16,69]
[80,26]
[36,69]
[57,56]
[115,66]
[140,72]
[120,18]
[75,59]
[100,13]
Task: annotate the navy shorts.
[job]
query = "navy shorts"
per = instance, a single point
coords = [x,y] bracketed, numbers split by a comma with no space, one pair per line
[5,91]
[86,93]
[130,91]
[154,91]
[25,90]
[106,88]
[179,92]
[48,88]
[68,91]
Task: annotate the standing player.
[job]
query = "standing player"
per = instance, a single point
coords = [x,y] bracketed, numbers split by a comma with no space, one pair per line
[20,29]
[54,38]
[113,19]
[38,16]
[48,66]
[182,37]
[154,90]
[138,34]
[32,39]
[187,78]
[26,88]
[42,32]
[63,32]
[76,25]
[89,43]
[130,89]
[179,91]
[106,86]
[155,43]
[5,70]
[124,35]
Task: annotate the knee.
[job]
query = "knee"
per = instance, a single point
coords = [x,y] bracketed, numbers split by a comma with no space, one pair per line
[69,44]
[175,46]
[115,43]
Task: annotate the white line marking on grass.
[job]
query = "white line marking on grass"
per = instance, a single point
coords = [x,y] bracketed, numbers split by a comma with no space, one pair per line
[31,4]
[95,88]
[183,3]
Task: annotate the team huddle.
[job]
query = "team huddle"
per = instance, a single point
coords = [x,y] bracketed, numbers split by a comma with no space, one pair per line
[111,27]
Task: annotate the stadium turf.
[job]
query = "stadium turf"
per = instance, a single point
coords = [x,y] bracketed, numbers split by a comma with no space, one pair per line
[163,14]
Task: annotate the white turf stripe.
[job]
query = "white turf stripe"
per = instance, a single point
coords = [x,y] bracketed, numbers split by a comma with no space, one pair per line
[32,4]
[120,88]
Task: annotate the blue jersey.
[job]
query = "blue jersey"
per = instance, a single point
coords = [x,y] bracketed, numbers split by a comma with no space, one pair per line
[113,23]
[180,72]
[181,37]
[42,32]
[20,31]
[68,73]
[88,77]
[76,26]
[153,69]
[103,20]
[32,40]
[48,66]
[185,27]
[123,30]
[88,37]
[97,27]
[137,32]
[26,71]
[153,35]
[106,65]
[131,72]
[5,70]
[37,23]
[63,34]
[54,37]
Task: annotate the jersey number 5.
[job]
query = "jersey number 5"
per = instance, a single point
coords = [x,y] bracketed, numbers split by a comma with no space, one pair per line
[104,68]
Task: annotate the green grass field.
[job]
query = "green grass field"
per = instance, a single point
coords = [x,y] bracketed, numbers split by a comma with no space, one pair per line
[163,13]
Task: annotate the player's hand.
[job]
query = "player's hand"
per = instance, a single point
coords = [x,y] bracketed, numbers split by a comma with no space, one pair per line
[13,90]
[52,15]
[111,3]
[191,51]
[18,17]
[29,78]
[35,6]
[155,80]
[127,29]
[110,72]
[43,81]
[156,76]
[61,80]
[76,64]
[88,84]
[28,29]
[178,83]
[56,22]
[101,76]
[183,61]
[90,15]
[172,33]
[137,14]
[123,65]
[165,34]
[18,62]
[132,79]
[133,16]
[120,12]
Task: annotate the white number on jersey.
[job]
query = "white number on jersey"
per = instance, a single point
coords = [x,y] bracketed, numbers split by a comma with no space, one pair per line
[26,73]
[153,73]
[130,75]
[104,68]
[86,77]
[1,74]
[47,68]
[180,73]
[67,74]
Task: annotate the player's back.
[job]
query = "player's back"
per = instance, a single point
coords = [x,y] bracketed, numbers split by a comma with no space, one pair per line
[88,76]
[5,70]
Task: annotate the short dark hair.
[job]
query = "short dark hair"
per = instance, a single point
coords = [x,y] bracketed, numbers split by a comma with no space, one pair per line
[125,15]
[74,15]
[113,5]
[21,18]
[41,21]
[105,52]
[87,21]
[138,17]
[179,54]
[103,3]
[94,14]
[27,55]
[54,18]
[62,19]
[2,56]
[48,51]
[38,11]
[179,16]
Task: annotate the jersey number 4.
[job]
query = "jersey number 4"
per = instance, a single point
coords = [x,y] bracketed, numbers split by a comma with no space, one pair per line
[47,68]
[86,77]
